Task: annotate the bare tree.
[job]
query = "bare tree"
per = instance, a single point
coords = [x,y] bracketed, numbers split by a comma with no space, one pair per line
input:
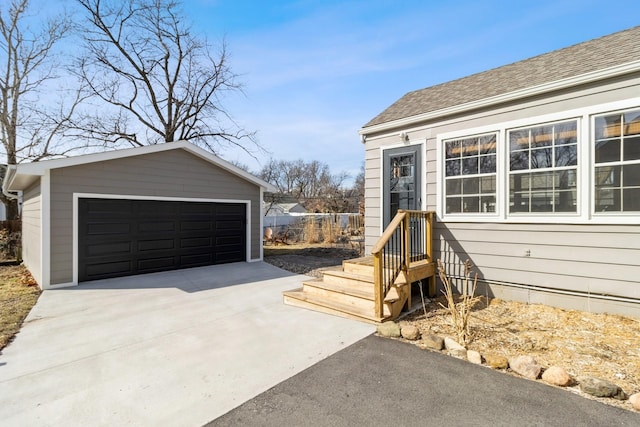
[28,126]
[162,83]
[311,183]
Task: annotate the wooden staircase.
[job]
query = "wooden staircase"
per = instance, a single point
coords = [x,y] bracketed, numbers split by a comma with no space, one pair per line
[378,287]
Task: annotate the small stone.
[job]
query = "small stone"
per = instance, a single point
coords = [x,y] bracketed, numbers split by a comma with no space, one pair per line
[635,401]
[458,353]
[474,357]
[525,366]
[601,388]
[557,376]
[389,329]
[433,342]
[496,362]
[410,332]
[450,344]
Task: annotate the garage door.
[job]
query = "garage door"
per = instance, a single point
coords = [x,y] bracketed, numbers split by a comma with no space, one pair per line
[125,237]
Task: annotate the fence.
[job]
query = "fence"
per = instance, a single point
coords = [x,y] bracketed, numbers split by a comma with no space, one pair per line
[317,228]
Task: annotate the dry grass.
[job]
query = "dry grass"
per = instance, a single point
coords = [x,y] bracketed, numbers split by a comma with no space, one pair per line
[18,294]
[585,344]
[459,311]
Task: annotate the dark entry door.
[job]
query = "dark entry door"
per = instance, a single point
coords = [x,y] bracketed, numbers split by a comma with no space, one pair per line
[118,237]
[401,181]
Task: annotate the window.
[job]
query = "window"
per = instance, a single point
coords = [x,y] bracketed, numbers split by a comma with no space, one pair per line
[617,162]
[470,174]
[543,163]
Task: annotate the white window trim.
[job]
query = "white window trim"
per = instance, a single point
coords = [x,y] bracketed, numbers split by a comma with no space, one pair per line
[77,196]
[620,217]
[585,169]
[442,187]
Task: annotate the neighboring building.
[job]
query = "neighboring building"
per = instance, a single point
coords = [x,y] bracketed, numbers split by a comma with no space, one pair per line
[533,169]
[278,209]
[153,208]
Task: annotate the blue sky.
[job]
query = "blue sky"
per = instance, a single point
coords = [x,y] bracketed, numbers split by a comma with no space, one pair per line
[314,72]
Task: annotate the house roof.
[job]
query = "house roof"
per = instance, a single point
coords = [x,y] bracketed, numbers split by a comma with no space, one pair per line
[22,175]
[562,66]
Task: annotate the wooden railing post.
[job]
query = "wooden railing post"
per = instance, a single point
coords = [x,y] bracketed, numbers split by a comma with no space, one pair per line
[428,238]
[377,276]
[429,250]
[406,241]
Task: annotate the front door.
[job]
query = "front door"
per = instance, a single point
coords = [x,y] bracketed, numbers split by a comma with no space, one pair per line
[401,181]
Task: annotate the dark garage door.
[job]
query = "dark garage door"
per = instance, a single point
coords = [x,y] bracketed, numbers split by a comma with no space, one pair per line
[125,237]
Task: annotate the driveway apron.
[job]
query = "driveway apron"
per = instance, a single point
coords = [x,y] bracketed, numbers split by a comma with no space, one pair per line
[174,348]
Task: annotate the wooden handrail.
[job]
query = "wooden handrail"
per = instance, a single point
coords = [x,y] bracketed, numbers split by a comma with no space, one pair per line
[388,232]
[390,258]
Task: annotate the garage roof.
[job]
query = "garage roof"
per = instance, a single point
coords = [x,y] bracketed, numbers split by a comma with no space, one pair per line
[21,176]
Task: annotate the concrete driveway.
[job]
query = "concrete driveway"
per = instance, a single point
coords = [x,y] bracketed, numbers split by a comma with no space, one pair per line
[175,348]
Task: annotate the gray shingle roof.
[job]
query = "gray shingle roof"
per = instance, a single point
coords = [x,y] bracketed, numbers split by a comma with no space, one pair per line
[597,54]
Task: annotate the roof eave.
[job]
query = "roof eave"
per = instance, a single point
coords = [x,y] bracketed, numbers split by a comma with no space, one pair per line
[25,174]
[594,76]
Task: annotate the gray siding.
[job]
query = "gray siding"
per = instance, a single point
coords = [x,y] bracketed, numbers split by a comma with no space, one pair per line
[174,173]
[586,258]
[31,226]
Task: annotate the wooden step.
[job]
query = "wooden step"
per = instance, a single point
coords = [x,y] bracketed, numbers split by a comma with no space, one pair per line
[362,266]
[324,286]
[298,298]
[355,280]
[359,299]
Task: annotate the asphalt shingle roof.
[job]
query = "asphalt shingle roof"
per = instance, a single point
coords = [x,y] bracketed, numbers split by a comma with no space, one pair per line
[597,54]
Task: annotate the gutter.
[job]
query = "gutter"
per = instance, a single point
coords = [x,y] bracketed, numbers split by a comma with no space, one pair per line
[8,176]
[593,76]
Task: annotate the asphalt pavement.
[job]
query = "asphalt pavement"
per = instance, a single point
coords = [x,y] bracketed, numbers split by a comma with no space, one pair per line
[383,382]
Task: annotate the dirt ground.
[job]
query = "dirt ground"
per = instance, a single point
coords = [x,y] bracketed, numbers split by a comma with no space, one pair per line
[18,294]
[584,344]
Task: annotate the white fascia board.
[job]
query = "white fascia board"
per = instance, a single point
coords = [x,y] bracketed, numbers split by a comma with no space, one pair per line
[593,76]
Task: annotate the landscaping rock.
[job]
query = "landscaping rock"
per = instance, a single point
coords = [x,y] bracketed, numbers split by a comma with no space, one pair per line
[450,344]
[410,332]
[474,357]
[635,401]
[433,342]
[557,376]
[458,353]
[389,329]
[601,388]
[496,362]
[525,366]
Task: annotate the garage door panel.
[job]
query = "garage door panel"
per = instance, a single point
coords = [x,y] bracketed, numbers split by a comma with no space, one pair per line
[149,265]
[156,244]
[156,226]
[123,248]
[196,260]
[197,242]
[118,238]
[116,207]
[203,225]
[109,228]
[156,209]
[227,226]
[108,269]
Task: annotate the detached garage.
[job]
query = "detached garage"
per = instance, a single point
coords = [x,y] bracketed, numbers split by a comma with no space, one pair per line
[141,210]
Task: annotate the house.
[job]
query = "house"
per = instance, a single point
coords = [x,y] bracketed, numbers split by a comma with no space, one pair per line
[278,209]
[139,210]
[533,170]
